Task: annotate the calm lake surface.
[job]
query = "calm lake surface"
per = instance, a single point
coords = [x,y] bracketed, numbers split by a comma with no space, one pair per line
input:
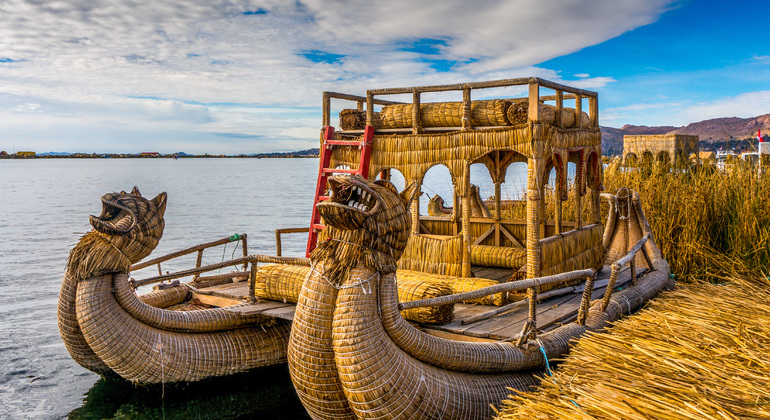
[44,208]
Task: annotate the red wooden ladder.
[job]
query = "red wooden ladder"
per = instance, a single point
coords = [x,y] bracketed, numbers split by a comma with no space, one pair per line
[324,171]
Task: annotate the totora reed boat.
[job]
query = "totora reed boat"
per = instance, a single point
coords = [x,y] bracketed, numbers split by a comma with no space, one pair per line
[392,313]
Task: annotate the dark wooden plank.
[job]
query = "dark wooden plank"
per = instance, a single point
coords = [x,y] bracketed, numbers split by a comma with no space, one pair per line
[510,325]
[286,312]
[237,291]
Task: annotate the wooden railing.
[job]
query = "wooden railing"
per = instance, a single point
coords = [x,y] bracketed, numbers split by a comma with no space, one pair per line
[197,248]
[618,265]
[279,232]
[562,92]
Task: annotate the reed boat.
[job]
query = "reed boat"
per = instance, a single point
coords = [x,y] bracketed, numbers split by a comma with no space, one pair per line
[168,335]
[353,355]
[390,313]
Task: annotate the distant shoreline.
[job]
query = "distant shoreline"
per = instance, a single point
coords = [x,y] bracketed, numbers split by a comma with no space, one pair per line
[310,153]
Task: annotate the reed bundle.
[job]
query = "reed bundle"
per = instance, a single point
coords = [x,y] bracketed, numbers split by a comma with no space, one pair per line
[456,284]
[699,352]
[284,283]
[416,288]
[432,255]
[498,256]
[518,113]
[447,114]
[354,119]
[706,223]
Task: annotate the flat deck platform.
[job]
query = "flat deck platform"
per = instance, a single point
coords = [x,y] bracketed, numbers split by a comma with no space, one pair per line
[551,313]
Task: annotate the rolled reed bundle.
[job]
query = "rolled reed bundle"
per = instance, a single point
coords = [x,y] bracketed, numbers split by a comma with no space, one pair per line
[498,256]
[415,288]
[518,113]
[698,352]
[432,255]
[284,283]
[280,282]
[354,119]
[458,285]
[484,113]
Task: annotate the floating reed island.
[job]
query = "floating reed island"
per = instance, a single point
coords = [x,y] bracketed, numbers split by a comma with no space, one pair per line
[392,313]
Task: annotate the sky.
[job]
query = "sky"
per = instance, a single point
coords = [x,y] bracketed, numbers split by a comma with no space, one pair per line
[243,76]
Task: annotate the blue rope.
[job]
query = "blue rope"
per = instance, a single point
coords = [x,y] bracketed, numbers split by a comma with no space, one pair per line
[547,365]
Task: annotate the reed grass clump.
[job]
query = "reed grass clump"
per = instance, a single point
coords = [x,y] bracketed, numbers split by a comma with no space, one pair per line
[698,352]
[707,223]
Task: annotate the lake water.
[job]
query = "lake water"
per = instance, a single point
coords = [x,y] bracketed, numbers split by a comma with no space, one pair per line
[44,208]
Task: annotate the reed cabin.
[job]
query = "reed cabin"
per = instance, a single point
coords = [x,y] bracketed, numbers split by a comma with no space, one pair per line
[547,130]
[551,128]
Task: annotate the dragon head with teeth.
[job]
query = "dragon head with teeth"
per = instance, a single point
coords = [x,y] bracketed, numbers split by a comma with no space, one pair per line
[127,230]
[368,222]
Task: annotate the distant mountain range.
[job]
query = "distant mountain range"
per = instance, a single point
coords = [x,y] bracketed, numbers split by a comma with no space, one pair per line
[734,132]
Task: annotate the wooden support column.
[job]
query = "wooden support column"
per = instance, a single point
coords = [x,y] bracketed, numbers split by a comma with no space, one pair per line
[416,208]
[466,221]
[326,109]
[466,233]
[593,106]
[497,214]
[579,111]
[559,108]
[534,167]
[466,120]
[369,109]
[558,213]
[534,100]
[416,116]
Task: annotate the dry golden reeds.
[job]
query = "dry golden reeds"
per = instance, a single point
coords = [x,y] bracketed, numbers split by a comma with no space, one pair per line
[284,283]
[518,113]
[707,223]
[698,352]
[431,255]
[456,284]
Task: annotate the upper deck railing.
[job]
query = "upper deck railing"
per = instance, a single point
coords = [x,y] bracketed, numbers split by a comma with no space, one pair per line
[562,92]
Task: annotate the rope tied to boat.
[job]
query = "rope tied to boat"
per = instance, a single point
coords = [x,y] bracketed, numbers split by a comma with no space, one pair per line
[545,356]
[361,283]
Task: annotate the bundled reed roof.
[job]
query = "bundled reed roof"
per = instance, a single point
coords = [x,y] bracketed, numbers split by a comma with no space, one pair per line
[700,352]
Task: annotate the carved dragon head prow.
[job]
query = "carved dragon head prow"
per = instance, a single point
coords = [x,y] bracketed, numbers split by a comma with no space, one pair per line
[368,223]
[127,230]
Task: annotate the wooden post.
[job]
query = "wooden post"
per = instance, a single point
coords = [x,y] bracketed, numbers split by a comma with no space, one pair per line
[558,212]
[466,234]
[416,116]
[534,100]
[198,263]
[326,109]
[369,109]
[533,217]
[245,249]
[593,104]
[466,120]
[579,111]
[416,210]
[360,105]
[559,108]
[497,212]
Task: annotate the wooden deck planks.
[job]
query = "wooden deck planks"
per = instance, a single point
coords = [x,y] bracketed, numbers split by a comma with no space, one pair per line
[550,313]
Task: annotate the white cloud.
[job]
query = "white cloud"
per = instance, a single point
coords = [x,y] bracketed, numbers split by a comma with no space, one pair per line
[150,65]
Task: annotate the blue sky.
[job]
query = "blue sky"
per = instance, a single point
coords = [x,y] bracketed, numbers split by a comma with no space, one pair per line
[246,76]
